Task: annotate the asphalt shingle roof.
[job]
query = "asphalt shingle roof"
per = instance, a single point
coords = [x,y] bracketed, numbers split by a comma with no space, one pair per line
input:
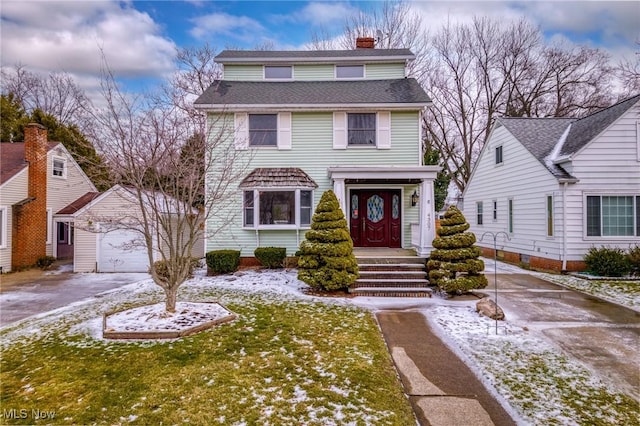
[399,91]
[12,159]
[539,136]
[585,129]
[542,136]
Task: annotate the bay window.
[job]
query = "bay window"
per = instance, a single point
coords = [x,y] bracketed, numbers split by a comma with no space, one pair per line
[289,208]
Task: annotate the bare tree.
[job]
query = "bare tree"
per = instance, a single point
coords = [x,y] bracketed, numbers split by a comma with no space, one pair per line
[56,94]
[144,143]
[628,71]
[486,69]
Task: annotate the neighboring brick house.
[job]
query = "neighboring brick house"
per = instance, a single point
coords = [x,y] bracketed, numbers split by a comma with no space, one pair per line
[37,179]
[346,120]
[558,186]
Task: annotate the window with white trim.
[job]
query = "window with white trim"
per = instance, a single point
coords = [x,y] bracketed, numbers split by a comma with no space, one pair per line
[59,168]
[280,72]
[613,215]
[361,128]
[49,225]
[349,71]
[289,208]
[549,215]
[479,213]
[263,129]
[499,154]
[3,227]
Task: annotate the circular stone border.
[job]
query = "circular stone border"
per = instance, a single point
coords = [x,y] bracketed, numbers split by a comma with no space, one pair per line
[115,334]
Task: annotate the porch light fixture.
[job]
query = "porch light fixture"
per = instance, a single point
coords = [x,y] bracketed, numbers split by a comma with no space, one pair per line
[414,198]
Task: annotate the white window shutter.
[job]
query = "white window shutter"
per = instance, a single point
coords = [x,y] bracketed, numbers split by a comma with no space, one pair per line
[339,130]
[284,130]
[384,130]
[241,135]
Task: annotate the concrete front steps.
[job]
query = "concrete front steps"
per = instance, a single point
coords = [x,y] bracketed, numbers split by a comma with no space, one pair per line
[391,276]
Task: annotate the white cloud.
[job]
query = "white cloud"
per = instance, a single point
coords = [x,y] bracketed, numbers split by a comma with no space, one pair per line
[222,24]
[68,35]
[317,14]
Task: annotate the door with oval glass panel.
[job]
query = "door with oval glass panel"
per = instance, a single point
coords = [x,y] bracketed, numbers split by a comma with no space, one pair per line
[375,218]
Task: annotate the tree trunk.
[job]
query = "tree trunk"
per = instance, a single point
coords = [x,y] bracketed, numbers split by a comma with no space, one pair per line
[170,303]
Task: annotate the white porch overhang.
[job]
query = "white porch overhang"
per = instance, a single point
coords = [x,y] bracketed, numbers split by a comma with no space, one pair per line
[424,232]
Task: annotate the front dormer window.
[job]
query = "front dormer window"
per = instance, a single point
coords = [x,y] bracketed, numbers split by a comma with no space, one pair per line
[349,71]
[278,72]
[59,167]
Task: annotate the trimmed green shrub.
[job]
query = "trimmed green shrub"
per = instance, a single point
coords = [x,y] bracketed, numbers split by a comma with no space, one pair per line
[325,258]
[607,262]
[162,270]
[223,261]
[634,260]
[271,257]
[45,262]
[454,265]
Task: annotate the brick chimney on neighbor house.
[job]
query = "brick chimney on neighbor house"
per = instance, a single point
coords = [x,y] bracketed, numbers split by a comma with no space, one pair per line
[365,43]
[30,215]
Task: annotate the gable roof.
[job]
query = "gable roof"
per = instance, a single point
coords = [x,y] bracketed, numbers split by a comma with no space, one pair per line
[585,129]
[402,92]
[266,56]
[540,137]
[79,203]
[12,159]
[549,139]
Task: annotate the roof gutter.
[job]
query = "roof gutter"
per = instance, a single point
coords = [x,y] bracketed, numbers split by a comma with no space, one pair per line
[310,107]
[317,60]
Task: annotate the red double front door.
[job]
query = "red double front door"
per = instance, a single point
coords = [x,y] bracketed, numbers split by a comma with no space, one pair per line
[374,217]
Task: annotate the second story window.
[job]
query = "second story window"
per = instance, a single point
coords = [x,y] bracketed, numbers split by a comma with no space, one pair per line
[349,71]
[362,129]
[59,167]
[263,129]
[278,72]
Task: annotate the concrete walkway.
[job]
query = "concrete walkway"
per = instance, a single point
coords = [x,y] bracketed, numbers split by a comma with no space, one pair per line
[441,388]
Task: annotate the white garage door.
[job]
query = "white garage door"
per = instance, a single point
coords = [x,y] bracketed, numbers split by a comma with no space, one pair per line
[113,257]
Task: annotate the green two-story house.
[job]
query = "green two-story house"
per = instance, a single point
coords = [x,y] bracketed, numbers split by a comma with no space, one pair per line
[309,121]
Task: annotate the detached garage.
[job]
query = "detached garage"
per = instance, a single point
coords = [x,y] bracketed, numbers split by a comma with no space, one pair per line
[101,242]
[115,253]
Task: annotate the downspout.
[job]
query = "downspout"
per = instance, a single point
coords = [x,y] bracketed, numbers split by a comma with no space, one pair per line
[564,226]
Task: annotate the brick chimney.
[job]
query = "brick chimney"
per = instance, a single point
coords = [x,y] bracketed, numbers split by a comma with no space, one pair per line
[365,43]
[30,215]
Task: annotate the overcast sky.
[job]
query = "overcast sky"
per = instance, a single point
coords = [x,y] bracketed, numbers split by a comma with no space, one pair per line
[140,38]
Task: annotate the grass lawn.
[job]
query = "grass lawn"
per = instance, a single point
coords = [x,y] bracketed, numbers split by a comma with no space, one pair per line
[281,362]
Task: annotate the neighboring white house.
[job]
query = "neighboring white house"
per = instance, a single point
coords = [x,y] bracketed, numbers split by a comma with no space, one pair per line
[346,120]
[558,186]
[38,178]
[106,236]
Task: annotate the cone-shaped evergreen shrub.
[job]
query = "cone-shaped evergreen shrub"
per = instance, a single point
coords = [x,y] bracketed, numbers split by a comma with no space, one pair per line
[454,265]
[325,259]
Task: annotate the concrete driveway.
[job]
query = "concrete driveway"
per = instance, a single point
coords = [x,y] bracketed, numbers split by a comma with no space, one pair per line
[23,294]
[602,335]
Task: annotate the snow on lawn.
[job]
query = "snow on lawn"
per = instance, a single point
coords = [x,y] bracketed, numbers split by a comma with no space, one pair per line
[521,366]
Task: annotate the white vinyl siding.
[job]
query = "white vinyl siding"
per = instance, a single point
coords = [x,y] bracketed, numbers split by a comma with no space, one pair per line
[524,181]
[11,192]
[4,231]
